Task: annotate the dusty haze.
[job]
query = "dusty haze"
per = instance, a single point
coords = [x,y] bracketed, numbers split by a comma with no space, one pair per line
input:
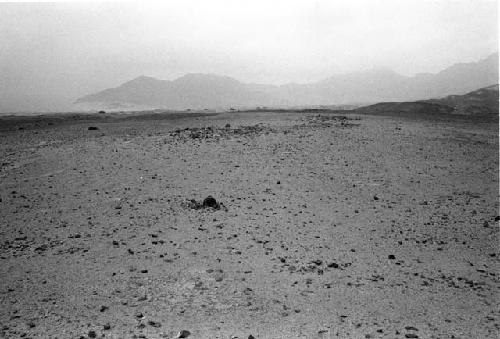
[53,54]
[246,170]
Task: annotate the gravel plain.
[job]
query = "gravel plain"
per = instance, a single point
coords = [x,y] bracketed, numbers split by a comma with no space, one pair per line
[328,226]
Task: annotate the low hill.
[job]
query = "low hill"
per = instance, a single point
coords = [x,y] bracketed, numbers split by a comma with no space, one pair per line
[483,101]
[405,108]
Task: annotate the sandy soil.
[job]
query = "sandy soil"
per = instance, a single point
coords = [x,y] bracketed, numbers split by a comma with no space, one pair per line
[377,227]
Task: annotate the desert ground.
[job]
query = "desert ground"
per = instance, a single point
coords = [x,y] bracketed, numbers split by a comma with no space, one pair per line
[328,226]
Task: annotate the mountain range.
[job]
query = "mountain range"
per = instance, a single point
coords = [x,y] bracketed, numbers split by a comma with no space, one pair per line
[200,91]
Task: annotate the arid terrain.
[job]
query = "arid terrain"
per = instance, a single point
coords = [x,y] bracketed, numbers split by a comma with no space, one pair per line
[328,226]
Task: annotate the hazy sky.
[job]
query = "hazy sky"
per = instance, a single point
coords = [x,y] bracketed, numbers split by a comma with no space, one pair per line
[59,51]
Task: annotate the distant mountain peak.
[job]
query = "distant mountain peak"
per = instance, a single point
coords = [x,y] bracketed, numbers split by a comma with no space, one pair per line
[142,78]
[200,76]
[204,77]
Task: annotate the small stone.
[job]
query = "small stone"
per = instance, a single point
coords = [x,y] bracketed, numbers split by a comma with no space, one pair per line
[375,197]
[391,257]
[497,218]
[411,335]
[107,327]
[183,334]
[411,328]
[93,128]
[103,308]
[92,334]
[154,323]
[333,265]
[251,337]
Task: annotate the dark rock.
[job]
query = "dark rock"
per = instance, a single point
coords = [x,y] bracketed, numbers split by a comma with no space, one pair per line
[251,337]
[42,248]
[228,125]
[183,334]
[154,323]
[103,308]
[211,202]
[92,334]
[411,328]
[107,327]
[93,128]
[411,335]
[333,265]
[391,257]
[497,218]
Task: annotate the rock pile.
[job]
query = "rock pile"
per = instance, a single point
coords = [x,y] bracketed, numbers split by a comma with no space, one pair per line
[217,133]
[208,202]
[319,120]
